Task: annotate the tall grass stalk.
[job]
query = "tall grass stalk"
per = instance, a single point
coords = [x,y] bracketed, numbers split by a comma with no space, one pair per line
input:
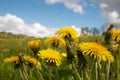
[25,74]
[57,74]
[77,75]
[86,74]
[41,76]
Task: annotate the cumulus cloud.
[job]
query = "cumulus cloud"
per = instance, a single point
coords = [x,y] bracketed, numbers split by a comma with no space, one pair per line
[110,10]
[75,5]
[16,25]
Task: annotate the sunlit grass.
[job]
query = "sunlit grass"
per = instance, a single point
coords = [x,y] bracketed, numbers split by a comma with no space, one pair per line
[79,67]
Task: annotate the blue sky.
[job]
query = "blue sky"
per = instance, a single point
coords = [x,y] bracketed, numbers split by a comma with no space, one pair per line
[56,13]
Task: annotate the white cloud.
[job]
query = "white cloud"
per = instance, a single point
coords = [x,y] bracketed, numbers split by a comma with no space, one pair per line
[78,29]
[103,5]
[110,10]
[75,5]
[16,25]
[52,1]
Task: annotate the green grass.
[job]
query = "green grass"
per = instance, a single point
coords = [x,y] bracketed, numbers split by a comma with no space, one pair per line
[11,46]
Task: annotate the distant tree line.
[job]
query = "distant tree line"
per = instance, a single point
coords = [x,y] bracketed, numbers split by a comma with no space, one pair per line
[5,35]
[90,31]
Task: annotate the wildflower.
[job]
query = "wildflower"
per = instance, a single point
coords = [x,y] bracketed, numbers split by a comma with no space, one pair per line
[31,61]
[116,35]
[68,33]
[115,47]
[52,57]
[63,55]
[13,59]
[96,50]
[34,45]
[55,41]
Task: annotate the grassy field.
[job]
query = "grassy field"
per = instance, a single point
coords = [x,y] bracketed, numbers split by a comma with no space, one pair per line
[91,70]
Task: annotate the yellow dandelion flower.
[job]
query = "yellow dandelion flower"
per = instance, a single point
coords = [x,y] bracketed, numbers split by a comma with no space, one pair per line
[31,60]
[96,50]
[11,59]
[6,60]
[34,45]
[63,55]
[55,41]
[51,56]
[116,35]
[68,32]
[115,47]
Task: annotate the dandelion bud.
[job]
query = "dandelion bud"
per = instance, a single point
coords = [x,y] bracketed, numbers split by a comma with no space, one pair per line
[70,55]
[20,54]
[111,27]
[68,47]
[81,60]
[108,34]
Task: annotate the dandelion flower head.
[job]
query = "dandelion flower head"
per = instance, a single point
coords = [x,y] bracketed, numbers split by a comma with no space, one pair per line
[67,32]
[31,60]
[115,47]
[11,59]
[34,45]
[116,35]
[96,50]
[51,56]
[64,55]
[55,41]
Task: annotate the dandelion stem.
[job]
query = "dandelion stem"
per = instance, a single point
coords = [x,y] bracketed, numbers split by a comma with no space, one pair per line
[108,70]
[50,74]
[118,67]
[96,70]
[118,57]
[57,74]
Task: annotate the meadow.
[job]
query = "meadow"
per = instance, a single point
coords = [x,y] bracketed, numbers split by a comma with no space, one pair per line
[88,58]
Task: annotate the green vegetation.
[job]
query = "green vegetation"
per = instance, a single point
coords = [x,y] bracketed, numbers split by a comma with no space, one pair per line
[91,69]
